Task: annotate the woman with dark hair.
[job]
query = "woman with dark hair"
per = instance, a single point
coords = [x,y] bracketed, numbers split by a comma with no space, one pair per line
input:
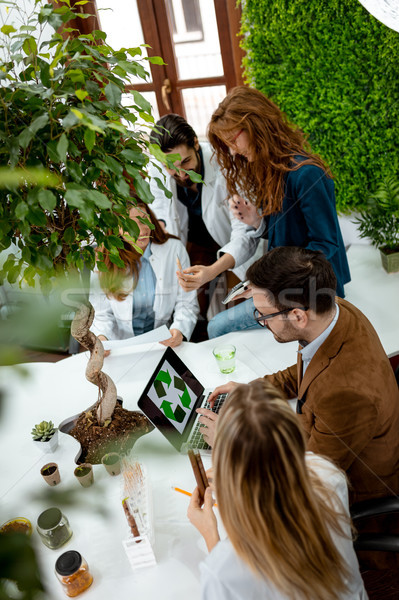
[289,190]
[145,293]
[285,510]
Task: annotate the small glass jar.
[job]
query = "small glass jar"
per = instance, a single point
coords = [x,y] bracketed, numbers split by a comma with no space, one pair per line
[18,525]
[73,572]
[53,528]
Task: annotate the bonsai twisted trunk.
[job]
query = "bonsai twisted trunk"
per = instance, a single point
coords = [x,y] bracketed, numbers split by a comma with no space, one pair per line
[107,390]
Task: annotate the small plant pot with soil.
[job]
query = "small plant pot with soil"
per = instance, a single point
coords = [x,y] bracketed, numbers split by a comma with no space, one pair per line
[51,474]
[84,474]
[112,462]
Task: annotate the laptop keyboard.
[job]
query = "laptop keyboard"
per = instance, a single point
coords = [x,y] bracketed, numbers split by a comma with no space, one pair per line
[196,440]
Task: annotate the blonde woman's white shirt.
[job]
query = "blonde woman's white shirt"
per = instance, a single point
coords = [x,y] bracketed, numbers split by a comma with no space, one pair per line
[233,236]
[172,306]
[224,576]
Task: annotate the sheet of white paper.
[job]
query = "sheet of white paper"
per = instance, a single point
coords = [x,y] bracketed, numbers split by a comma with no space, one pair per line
[156,335]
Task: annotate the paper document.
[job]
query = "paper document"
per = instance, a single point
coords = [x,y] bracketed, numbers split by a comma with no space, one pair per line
[156,335]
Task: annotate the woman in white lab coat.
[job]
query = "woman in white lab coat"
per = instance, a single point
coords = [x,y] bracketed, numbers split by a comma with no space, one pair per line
[285,510]
[145,294]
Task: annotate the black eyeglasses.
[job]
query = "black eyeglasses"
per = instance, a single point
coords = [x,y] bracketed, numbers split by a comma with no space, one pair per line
[261,319]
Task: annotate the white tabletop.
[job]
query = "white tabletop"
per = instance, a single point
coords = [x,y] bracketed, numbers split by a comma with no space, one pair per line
[376,293]
[59,390]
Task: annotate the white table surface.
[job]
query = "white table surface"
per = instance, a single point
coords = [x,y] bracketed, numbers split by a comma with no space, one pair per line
[58,390]
[376,293]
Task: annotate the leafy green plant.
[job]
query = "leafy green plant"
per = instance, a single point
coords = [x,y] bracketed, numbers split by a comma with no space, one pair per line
[43,431]
[332,68]
[64,112]
[380,220]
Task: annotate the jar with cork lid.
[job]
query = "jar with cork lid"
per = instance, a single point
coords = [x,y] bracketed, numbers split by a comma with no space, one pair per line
[73,572]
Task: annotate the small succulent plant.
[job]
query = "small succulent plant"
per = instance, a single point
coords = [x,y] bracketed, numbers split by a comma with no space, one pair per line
[43,431]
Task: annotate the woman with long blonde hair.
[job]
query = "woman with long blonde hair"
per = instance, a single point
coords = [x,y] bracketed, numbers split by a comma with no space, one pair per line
[288,189]
[142,293]
[285,510]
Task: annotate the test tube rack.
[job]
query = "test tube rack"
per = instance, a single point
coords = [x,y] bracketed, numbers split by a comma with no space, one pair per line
[137,489]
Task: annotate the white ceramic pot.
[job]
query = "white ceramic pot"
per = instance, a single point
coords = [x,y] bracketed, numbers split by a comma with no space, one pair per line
[50,446]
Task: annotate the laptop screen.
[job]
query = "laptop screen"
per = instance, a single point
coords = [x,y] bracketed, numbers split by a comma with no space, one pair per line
[170,398]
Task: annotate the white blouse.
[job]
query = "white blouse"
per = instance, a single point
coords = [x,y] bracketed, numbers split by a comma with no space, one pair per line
[224,576]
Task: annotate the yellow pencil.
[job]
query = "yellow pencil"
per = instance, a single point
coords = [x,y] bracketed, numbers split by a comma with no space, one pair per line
[181,491]
[179,264]
[184,492]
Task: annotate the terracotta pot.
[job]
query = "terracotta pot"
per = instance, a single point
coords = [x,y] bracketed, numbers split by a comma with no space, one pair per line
[84,474]
[51,474]
[112,462]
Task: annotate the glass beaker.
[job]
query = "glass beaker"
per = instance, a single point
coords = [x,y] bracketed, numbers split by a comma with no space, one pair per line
[53,528]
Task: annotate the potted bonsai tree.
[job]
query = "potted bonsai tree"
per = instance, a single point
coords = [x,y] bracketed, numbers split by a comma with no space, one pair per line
[45,436]
[380,222]
[64,110]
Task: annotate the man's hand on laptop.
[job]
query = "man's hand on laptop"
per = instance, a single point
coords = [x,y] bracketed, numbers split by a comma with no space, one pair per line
[208,419]
[222,389]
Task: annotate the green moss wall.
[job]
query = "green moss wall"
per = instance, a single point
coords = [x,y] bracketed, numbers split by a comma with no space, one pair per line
[334,70]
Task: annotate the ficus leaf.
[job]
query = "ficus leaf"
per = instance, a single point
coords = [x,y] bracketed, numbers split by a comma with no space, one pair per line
[155,60]
[113,94]
[89,139]
[7,29]
[81,94]
[62,147]
[47,200]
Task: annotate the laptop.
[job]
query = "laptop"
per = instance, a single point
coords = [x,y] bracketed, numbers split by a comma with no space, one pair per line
[170,400]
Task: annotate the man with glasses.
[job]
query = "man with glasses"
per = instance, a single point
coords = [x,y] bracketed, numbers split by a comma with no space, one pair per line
[347,396]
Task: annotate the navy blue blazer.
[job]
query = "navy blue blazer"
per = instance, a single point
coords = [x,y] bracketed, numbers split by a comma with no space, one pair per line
[309,219]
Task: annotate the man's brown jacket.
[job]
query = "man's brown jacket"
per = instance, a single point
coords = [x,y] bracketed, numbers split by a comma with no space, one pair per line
[348,404]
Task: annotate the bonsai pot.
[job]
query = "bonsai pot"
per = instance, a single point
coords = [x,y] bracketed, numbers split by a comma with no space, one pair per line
[390,260]
[97,441]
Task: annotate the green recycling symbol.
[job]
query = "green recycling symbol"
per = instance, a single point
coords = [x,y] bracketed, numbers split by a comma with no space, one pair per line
[179,413]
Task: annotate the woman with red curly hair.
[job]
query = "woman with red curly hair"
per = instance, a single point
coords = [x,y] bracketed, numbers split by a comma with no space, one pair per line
[289,191]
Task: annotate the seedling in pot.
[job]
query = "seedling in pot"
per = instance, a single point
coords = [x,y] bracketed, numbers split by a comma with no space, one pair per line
[84,474]
[51,474]
[111,462]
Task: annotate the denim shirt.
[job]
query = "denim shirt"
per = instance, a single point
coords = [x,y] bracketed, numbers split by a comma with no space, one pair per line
[143,296]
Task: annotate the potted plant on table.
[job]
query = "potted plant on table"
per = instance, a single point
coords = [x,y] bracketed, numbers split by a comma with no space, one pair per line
[45,436]
[65,109]
[380,222]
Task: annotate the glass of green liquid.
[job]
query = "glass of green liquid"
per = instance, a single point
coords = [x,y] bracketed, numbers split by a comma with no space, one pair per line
[225,355]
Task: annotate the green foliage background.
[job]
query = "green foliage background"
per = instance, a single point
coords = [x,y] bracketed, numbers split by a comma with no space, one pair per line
[334,70]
